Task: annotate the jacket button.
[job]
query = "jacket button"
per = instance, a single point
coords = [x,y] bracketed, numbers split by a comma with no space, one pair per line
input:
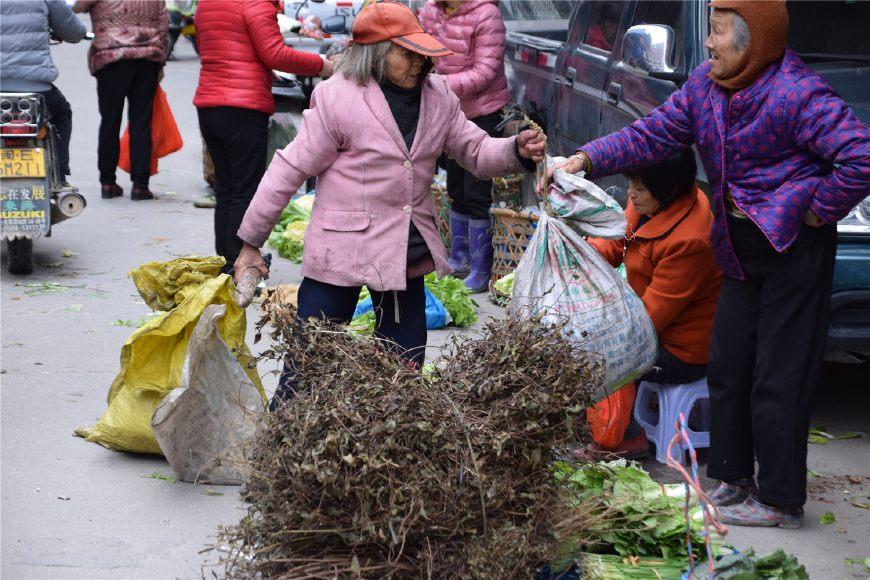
[407,164]
[407,209]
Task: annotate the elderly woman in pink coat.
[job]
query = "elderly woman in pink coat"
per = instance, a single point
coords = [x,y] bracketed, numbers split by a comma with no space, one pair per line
[474,31]
[372,137]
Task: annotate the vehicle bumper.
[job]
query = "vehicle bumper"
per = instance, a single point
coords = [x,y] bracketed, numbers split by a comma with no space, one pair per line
[849,327]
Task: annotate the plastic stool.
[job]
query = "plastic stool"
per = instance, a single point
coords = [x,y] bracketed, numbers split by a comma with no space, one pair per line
[673,400]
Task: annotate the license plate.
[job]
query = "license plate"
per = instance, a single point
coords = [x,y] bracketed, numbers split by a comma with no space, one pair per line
[22,163]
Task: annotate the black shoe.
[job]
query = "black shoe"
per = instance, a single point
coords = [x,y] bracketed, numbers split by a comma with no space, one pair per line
[111,190]
[139,193]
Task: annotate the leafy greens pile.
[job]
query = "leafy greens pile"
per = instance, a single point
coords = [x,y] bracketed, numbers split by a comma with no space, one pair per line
[287,235]
[640,516]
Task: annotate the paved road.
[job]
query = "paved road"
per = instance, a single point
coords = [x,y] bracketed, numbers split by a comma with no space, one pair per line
[72,509]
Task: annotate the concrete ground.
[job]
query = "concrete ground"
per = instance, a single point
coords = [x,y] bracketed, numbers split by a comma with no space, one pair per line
[72,509]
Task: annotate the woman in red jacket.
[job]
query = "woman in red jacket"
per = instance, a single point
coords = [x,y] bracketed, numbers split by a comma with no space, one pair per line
[669,264]
[239,45]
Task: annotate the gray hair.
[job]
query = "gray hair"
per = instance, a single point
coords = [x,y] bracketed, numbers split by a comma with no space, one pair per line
[740,37]
[362,61]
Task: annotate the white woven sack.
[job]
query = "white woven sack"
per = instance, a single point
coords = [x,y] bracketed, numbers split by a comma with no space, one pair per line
[585,207]
[564,278]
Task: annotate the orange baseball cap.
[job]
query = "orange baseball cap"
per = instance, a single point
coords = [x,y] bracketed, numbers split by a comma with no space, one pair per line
[393,21]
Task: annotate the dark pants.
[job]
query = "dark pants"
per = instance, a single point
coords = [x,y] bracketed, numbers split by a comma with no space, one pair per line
[134,81]
[404,328]
[61,118]
[767,346]
[237,140]
[672,371]
[468,195]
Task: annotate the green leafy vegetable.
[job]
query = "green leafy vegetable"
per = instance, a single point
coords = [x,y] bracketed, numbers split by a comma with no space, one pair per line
[865,562]
[287,236]
[638,517]
[456,298]
[608,566]
[160,476]
[777,565]
[819,436]
[827,518]
[501,290]
[364,323]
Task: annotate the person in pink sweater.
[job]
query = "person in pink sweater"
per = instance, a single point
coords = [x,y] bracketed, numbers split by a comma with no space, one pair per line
[474,31]
[372,136]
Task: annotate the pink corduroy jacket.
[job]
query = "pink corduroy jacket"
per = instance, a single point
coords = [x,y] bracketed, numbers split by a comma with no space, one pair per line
[369,186]
[475,70]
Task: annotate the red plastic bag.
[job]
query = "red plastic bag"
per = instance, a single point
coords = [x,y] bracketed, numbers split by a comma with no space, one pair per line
[165,137]
[609,418]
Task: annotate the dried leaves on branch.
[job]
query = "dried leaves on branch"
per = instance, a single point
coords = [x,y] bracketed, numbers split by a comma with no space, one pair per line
[375,470]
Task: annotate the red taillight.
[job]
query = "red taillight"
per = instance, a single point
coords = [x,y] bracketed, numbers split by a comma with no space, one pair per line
[11,143]
[15,128]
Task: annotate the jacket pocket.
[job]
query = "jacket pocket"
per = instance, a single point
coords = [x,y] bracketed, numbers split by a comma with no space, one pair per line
[345,221]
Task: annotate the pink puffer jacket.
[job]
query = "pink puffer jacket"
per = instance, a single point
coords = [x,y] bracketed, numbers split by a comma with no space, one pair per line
[475,70]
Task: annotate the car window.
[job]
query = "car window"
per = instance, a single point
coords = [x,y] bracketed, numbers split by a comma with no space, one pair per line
[535,9]
[668,13]
[602,24]
[817,30]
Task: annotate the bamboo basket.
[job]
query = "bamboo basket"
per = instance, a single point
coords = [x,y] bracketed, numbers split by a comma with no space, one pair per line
[511,232]
[507,192]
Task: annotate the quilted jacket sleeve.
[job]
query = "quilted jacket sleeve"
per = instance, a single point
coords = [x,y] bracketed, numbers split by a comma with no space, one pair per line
[63,22]
[821,122]
[83,5]
[261,20]
[647,141]
[488,57]
[164,30]
[313,150]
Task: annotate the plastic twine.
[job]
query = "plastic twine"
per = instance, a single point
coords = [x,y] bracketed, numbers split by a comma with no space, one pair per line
[693,482]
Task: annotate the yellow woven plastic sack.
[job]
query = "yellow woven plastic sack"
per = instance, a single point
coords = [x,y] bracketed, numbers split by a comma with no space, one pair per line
[153,357]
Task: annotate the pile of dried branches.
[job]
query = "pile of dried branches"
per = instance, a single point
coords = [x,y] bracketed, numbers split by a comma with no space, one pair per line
[374,469]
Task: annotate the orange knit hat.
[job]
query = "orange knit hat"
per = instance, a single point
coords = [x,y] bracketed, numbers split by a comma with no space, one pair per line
[768,34]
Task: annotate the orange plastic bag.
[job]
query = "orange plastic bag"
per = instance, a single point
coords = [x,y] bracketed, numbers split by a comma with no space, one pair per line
[609,418]
[165,137]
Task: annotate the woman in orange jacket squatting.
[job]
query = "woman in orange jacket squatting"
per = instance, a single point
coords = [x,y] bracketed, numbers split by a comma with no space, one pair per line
[669,264]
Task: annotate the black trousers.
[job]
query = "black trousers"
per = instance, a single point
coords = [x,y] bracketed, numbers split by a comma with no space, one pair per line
[237,140]
[468,195]
[134,81]
[406,332]
[671,370]
[767,346]
[61,118]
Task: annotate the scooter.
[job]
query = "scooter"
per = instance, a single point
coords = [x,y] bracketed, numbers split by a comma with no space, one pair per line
[31,195]
[181,13]
[334,33]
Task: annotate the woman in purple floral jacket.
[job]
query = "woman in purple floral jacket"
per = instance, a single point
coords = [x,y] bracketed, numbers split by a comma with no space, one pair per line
[786,158]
